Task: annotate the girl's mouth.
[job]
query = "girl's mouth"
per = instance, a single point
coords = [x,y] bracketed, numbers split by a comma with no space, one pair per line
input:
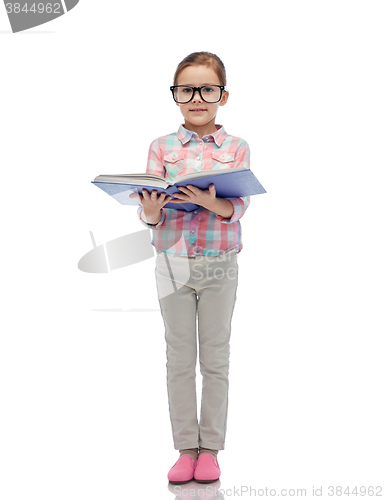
[199,110]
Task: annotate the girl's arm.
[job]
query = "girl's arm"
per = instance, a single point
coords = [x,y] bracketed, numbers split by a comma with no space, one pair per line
[222,207]
[227,210]
[239,205]
[154,166]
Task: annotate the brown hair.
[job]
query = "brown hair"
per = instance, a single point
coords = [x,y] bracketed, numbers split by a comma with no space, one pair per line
[205,59]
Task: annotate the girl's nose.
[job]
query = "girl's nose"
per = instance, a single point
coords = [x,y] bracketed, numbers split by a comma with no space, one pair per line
[196,97]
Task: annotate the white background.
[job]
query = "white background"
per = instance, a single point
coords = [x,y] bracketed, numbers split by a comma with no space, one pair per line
[83,390]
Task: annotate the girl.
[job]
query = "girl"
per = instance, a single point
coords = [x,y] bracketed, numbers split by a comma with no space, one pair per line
[207,240]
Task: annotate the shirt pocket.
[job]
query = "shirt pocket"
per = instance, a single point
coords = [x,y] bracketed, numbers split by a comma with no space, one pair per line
[173,163]
[222,160]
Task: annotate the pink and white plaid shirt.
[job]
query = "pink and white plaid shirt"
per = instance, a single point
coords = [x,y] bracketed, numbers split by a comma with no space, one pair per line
[200,232]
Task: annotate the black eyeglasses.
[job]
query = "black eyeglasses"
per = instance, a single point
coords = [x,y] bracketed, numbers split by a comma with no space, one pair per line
[208,93]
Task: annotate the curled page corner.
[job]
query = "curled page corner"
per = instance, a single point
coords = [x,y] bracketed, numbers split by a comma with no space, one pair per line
[117,253]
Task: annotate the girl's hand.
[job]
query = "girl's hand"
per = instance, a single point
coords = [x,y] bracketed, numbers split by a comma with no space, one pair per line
[150,202]
[192,194]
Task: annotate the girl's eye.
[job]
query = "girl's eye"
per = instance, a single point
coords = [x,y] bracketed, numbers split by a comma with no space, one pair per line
[208,89]
[186,90]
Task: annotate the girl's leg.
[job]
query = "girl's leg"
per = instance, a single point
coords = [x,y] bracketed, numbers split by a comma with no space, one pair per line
[207,450]
[179,314]
[217,296]
[192,452]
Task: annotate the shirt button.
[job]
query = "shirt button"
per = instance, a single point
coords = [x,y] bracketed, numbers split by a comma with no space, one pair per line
[195,212]
[193,231]
[198,158]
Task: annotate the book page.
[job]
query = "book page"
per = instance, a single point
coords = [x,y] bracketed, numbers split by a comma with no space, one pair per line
[135,179]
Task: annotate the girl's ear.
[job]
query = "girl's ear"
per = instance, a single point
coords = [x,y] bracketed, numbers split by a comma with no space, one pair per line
[224,99]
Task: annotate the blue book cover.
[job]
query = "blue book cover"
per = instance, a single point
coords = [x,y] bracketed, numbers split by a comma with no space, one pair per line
[229,183]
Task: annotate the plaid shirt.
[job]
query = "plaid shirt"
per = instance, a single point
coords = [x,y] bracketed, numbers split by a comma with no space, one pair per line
[200,232]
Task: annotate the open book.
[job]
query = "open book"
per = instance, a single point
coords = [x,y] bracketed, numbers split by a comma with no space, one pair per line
[229,183]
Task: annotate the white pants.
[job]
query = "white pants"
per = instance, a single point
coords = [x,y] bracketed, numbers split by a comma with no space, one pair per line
[209,295]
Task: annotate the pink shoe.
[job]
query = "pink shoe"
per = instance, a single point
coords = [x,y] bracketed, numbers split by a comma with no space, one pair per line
[207,469]
[182,471]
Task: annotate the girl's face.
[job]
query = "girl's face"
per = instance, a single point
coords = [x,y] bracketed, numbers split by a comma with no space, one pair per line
[200,115]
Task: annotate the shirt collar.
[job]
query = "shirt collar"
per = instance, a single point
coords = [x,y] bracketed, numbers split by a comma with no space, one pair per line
[184,135]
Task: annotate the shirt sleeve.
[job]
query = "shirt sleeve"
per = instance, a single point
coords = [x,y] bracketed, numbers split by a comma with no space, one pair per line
[151,226]
[240,205]
[154,166]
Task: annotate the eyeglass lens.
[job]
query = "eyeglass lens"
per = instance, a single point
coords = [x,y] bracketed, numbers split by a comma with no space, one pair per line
[208,93]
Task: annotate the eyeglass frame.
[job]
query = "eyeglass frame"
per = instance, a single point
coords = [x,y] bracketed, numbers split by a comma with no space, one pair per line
[198,89]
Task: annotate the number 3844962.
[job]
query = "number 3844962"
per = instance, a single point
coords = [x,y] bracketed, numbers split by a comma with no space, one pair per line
[36,8]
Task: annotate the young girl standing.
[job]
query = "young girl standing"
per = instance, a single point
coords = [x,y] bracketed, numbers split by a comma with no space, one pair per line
[208,239]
